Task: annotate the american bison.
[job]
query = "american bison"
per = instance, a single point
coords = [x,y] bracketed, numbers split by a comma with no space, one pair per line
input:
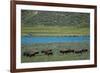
[65,51]
[81,51]
[84,50]
[78,51]
[30,53]
[47,52]
[71,50]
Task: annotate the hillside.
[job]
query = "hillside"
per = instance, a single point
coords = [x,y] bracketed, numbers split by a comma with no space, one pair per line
[51,18]
[46,23]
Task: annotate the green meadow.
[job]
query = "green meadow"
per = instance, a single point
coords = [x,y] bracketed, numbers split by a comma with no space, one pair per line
[57,56]
[54,31]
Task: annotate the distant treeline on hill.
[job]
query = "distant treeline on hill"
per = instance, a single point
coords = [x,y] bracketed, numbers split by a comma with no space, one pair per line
[54,18]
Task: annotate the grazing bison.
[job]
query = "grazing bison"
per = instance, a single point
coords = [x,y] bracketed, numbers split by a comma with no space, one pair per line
[65,51]
[84,50]
[78,51]
[47,52]
[71,51]
[30,53]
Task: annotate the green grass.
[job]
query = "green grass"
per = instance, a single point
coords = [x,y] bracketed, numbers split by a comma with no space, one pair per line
[56,55]
[54,31]
[65,57]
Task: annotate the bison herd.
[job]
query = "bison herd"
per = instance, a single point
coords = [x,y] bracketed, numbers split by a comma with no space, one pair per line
[49,52]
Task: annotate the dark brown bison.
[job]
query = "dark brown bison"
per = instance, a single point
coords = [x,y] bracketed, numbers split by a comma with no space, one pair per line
[78,51]
[84,50]
[47,52]
[65,51]
[71,51]
[30,53]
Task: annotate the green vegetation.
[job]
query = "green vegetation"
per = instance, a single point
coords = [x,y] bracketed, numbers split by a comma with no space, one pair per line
[52,23]
[65,57]
[54,31]
[54,18]
[56,55]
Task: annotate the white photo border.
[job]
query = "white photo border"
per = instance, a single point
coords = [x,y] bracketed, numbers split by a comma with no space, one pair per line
[20,65]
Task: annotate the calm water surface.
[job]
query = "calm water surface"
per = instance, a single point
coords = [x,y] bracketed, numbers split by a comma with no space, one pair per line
[30,39]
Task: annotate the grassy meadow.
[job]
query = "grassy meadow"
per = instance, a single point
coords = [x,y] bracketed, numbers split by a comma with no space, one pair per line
[54,31]
[57,56]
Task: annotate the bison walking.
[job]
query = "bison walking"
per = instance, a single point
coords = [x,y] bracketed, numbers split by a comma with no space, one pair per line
[84,50]
[47,52]
[30,53]
[65,51]
[80,51]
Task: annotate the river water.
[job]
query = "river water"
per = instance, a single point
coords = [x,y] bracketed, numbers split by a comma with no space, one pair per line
[30,39]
